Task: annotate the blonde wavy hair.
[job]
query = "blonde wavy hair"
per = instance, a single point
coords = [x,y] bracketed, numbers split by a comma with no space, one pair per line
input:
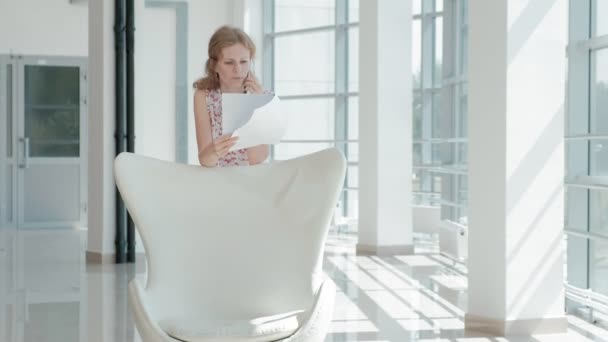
[223,37]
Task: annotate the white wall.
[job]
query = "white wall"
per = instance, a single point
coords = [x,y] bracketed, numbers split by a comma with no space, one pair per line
[44,27]
[155,82]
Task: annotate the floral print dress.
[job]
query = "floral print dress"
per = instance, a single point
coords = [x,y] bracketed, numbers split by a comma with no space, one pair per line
[214,106]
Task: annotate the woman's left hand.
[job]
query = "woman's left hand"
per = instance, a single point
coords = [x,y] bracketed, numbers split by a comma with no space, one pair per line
[252,85]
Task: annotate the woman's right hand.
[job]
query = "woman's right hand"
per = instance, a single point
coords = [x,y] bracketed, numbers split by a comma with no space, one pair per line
[217,149]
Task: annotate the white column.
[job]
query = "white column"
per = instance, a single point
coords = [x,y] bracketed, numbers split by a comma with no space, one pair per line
[101,198]
[385,127]
[516,166]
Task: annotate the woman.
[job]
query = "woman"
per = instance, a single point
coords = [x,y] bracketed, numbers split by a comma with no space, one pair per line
[227,69]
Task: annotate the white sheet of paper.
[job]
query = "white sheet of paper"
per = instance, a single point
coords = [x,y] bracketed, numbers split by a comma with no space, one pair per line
[266,125]
[237,109]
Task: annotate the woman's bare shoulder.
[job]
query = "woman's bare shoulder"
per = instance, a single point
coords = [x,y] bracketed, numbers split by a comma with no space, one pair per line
[201,94]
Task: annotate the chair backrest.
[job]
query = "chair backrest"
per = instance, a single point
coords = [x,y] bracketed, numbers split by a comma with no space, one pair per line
[232,242]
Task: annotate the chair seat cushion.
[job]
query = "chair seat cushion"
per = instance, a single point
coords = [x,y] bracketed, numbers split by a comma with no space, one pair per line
[268,328]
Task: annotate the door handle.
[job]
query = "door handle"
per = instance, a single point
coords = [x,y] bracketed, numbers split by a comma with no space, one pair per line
[26,152]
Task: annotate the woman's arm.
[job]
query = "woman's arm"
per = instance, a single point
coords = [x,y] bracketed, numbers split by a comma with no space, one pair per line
[209,151]
[258,154]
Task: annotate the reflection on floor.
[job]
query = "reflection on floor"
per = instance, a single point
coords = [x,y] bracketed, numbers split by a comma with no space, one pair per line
[48,293]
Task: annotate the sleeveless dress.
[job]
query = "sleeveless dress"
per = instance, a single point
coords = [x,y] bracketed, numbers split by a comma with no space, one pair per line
[214,107]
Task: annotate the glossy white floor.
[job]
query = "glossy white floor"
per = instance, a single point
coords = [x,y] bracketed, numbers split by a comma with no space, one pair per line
[48,293]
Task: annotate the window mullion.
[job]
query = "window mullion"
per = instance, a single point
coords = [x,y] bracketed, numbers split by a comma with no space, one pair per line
[341,86]
[427,67]
[268,52]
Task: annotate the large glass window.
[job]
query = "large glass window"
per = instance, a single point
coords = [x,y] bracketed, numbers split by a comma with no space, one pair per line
[299,72]
[599,91]
[303,14]
[311,61]
[586,221]
[600,11]
[427,46]
[440,106]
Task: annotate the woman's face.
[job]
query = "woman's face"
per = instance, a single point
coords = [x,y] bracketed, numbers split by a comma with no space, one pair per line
[233,66]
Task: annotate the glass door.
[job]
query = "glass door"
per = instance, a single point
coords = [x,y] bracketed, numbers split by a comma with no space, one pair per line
[50,138]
